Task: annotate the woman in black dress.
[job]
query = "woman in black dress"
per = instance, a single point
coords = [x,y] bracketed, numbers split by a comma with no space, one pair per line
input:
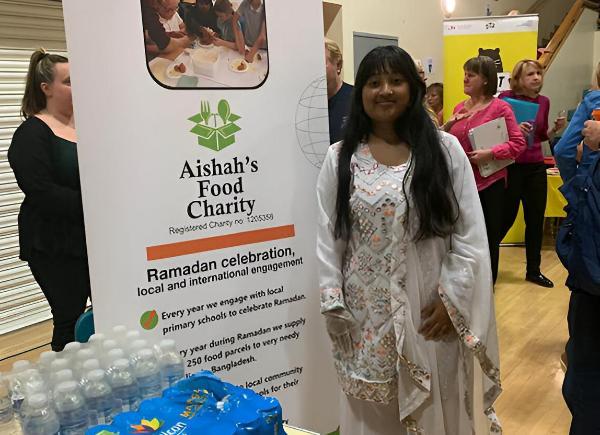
[43,156]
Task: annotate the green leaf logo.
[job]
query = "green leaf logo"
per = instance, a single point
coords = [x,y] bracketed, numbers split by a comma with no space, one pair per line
[149,320]
[211,133]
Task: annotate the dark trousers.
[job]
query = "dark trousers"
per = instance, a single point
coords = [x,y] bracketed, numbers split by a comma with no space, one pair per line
[492,202]
[66,284]
[527,182]
[581,387]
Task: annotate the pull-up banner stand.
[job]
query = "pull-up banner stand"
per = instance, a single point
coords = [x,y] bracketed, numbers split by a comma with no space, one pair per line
[198,171]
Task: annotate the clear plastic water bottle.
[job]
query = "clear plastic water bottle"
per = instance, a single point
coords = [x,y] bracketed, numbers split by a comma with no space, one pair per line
[40,418]
[58,365]
[99,397]
[115,354]
[118,333]
[61,376]
[90,364]
[20,379]
[124,385]
[82,356]
[147,373]
[96,340]
[171,364]
[70,350]
[8,421]
[131,336]
[71,409]
[44,362]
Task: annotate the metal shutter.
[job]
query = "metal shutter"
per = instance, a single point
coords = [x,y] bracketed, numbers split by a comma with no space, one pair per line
[24,26]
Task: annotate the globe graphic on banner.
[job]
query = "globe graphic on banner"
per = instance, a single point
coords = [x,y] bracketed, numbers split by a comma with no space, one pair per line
[312,122]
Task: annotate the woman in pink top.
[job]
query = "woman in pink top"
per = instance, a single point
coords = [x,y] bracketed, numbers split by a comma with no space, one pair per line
[481,84]
[527,180]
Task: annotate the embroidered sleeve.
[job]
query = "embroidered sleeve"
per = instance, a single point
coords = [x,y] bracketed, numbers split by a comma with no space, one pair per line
[330,250]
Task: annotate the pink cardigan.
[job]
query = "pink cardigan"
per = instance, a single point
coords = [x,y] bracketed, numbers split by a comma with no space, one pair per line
[507,150]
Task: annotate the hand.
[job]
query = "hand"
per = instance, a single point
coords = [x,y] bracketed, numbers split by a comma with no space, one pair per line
[454,119]
[526,128]
[435,321]
[559,123]
[591,134]
[479,157]
[218,41]
[176,35]
[338,323]
[248,56]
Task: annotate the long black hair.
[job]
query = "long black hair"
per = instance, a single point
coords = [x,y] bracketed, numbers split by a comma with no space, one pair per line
[431,185]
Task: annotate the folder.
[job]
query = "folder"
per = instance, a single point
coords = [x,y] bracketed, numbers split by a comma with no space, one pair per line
[525,111]
[487,136]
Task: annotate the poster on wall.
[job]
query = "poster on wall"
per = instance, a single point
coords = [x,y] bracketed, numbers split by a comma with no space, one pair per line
[199,145]
[506,40]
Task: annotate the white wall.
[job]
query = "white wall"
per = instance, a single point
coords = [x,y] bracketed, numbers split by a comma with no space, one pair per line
[571,71]
[596,48]
[416,23]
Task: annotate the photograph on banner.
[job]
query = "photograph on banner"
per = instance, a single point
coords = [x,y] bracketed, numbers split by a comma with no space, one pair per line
[506,40]
[209,44]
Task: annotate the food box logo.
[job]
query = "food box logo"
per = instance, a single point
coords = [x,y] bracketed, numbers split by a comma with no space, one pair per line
[215,130]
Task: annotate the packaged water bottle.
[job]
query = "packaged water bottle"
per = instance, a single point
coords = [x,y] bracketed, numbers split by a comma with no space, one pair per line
[44,362]
[131,336]
[171,364]
[86,367]
[61,376]
[114,354]
[19,383]
[82,356]
[8,420]
[124,385]
[99,397]
[96,340]
[119,331]
[58,365]
[40,418]
[70,350]
[138,345]
[147,373]
[31,387]
[71,409]
[90,364]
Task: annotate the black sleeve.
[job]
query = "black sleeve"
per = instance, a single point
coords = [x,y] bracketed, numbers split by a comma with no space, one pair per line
[155,29]
[29,158]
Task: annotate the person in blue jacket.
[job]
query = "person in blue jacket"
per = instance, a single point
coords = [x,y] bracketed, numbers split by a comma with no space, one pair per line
[565,151]
[581,387]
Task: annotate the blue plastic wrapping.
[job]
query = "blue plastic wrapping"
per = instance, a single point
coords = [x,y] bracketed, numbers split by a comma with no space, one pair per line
[200,404]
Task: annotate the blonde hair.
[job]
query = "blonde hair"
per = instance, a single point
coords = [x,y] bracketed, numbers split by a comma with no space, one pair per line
[41,70]
[596,78]
[335,54]
[519,70]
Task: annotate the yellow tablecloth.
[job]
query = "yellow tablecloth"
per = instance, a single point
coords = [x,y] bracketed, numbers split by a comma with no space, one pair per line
[295,431]
[555,202]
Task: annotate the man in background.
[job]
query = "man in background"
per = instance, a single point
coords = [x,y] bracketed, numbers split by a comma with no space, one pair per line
[339,93]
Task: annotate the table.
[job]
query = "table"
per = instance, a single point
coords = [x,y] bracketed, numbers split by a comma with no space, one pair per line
[290,430]
[223,76]
[555,203]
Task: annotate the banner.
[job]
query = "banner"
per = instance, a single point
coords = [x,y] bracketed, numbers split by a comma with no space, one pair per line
[198,170]
[507,40]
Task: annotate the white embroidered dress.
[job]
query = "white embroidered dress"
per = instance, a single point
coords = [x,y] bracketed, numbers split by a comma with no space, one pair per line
[385,279]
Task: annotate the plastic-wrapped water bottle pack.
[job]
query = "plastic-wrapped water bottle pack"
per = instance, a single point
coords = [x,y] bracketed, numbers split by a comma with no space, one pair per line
[86,384]
[201,404]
